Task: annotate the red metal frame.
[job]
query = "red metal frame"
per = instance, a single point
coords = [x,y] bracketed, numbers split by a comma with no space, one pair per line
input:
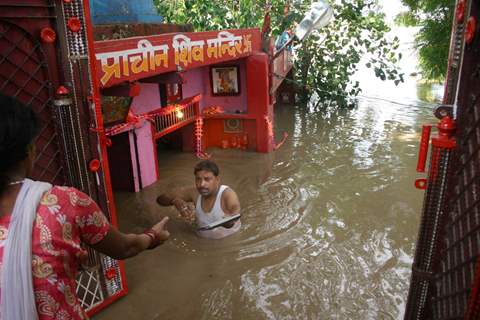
[446,269]
[422,153]
[98,114]
[103,151]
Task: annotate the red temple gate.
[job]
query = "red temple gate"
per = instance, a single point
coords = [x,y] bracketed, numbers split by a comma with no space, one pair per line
[446,269]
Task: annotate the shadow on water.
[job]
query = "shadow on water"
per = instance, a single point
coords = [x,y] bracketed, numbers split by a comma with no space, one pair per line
[329,225]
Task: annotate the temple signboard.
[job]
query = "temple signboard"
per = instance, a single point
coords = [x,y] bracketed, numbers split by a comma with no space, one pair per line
[135,58]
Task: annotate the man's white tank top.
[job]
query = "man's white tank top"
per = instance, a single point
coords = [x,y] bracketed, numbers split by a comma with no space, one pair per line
[204,218]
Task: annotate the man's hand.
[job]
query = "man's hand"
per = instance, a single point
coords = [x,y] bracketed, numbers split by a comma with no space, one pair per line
[229,224]
[187,211]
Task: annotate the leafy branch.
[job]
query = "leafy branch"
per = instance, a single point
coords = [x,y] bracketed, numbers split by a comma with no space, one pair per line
[326,60]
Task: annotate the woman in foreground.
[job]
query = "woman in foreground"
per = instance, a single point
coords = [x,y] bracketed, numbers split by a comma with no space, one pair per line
[43,228]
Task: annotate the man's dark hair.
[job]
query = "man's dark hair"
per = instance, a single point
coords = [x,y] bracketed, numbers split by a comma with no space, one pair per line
[19,126]
[207,165]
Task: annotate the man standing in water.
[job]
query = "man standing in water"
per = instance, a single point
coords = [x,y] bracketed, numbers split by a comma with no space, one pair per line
[213,202]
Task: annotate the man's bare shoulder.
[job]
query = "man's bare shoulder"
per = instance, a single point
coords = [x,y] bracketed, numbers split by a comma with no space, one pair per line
[229,191]
[230,197]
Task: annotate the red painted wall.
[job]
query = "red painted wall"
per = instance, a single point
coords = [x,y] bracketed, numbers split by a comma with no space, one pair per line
[257,123]
[148,99]
[258,99]
[215,135]
[194,83]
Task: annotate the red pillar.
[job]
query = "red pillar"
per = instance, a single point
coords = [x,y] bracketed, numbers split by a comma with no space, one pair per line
[258,99]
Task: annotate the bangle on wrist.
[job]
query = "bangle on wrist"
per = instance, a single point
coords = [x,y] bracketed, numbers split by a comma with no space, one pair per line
[155,241]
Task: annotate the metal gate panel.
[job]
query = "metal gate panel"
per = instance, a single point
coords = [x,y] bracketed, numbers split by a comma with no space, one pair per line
[454,283]
[32,71]
[24,75]
[461,242]
[107,273]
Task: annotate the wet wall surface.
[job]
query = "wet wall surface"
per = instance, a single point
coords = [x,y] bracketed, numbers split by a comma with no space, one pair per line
[329,224]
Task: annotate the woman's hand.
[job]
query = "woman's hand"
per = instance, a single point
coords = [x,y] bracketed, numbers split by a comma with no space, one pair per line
[119,245]
[161,232]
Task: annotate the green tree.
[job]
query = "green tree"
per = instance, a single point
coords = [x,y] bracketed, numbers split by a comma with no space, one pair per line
[434,18]
[326,60]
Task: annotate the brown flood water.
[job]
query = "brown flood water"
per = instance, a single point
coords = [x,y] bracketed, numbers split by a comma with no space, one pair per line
[329,225]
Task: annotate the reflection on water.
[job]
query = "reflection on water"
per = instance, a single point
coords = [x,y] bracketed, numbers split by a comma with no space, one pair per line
[431,92]
[329,225]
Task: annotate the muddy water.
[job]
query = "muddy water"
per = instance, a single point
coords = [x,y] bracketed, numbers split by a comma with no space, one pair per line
[329,225]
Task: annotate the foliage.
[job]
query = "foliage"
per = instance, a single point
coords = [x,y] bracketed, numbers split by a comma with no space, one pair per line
[434,18]
[210,15]
[357,31]
[326,60]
